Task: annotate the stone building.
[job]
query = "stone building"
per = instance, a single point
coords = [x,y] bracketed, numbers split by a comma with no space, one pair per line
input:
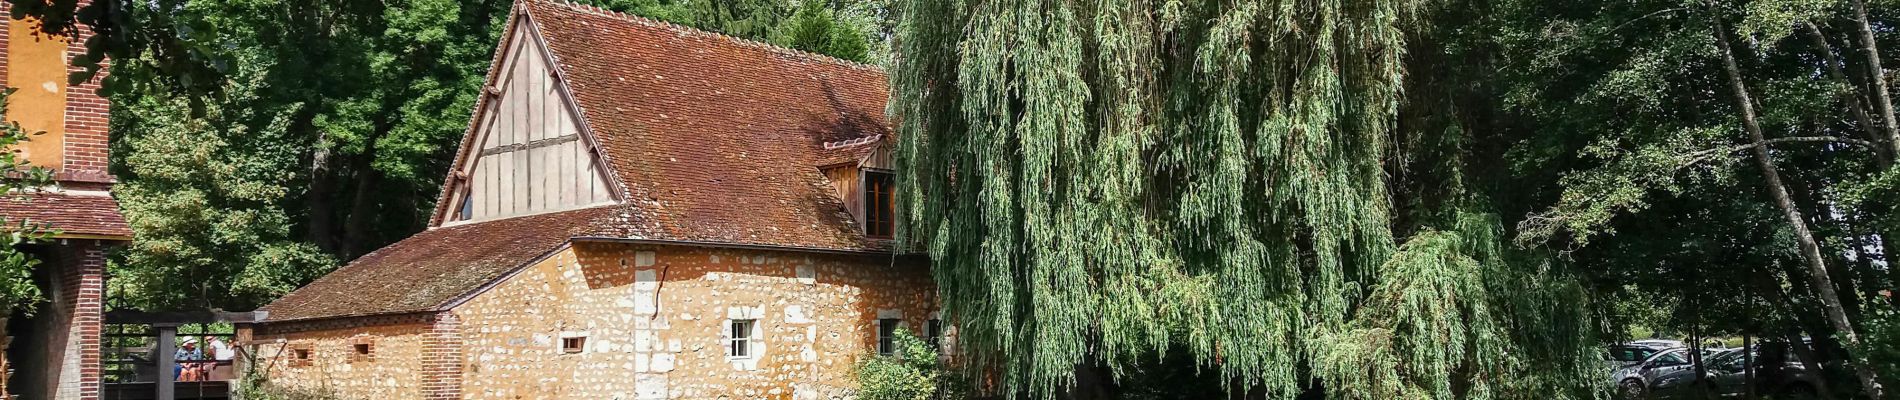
[53,352]
[638,211]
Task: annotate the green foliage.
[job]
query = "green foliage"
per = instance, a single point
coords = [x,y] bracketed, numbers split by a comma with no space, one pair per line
[816,28]
[837,29]
[323,134]
[1105,181]
[912,372]
[1882,346]
[17,177]
[1629,155]
[204,193]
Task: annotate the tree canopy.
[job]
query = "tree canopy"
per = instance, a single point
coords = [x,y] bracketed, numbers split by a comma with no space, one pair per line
[1374,199]
[1103,181]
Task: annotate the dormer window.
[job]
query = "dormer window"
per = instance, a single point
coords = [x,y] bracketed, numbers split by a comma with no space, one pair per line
[879,207]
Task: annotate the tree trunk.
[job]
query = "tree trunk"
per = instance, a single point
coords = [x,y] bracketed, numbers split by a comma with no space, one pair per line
[317,200]
[1770,283]
[1882,102]
[1810,248]
[362,207]
[1695,358]
[1883,157]
[1748,367]
[1805,355]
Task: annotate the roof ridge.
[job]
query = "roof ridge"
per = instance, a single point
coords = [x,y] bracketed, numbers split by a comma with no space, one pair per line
[834,145]
[683,29]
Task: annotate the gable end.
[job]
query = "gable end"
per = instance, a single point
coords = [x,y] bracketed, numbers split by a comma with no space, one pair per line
[527,150]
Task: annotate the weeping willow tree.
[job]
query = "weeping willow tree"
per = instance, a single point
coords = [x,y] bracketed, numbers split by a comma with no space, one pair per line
[1099,181]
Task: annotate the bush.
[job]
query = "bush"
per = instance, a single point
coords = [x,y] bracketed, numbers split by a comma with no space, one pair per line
[1881,344]
[912,372]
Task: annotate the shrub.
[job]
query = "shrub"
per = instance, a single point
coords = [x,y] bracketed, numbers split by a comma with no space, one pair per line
[1881,344]
[912,372]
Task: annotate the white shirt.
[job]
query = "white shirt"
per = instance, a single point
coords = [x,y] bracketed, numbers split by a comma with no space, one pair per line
[221,351]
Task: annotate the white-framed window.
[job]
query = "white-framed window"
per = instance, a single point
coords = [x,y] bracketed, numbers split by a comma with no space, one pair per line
[887,335]
[741,346]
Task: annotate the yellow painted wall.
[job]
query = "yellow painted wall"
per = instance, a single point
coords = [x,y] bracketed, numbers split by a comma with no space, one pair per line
[36,65]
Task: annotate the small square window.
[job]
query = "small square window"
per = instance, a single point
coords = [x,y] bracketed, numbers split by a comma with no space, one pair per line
[300,357]
[362,349]
[887,336]
[742,338]
[571,345]
[933,333]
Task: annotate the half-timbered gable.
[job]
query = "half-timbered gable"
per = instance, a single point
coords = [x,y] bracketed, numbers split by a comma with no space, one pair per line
[530,154]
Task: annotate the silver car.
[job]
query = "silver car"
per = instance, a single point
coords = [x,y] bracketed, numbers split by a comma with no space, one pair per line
[1663,373]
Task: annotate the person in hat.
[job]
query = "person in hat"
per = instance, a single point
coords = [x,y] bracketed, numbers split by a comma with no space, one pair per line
[184,370]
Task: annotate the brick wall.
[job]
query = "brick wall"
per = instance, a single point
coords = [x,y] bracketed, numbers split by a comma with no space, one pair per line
[86,112]
[6,8]
[83,127]
[442,358]
[393,369]
[655,319]
[85,286]
[57,349]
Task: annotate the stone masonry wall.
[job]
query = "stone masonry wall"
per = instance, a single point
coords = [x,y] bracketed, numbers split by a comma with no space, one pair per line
[655,322]
[392,370]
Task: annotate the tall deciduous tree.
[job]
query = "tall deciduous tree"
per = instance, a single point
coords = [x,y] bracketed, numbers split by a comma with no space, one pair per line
[1101,181]
[1700,106]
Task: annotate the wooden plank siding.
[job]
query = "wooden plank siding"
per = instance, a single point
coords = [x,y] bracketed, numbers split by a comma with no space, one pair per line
[845,180]
[532,158]
[848,179]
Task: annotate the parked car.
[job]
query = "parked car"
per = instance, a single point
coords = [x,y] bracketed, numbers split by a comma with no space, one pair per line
[1660,373]
[1659,344]
[1624,355]
[1670,374]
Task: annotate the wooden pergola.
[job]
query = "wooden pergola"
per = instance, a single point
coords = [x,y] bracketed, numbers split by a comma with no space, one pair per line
[162,328]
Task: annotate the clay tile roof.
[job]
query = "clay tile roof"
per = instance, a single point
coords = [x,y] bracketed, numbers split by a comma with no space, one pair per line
[67,213]
[716,139]
[436,267]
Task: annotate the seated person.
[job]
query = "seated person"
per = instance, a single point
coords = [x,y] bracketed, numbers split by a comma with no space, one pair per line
[185,370]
